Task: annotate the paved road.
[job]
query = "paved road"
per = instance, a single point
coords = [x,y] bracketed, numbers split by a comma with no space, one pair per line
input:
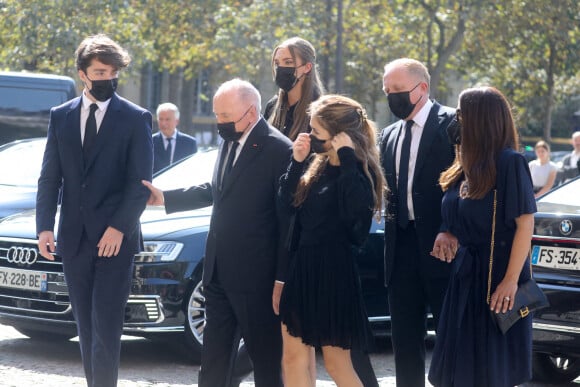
[144,363]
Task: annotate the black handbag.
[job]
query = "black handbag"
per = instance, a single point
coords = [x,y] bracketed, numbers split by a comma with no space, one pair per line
[529,297]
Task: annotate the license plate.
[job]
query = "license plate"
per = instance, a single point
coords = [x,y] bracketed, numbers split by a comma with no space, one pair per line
[22,279]
[556,257]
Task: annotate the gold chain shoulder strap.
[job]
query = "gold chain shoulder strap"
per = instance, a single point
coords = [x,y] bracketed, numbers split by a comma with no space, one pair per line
[492,245]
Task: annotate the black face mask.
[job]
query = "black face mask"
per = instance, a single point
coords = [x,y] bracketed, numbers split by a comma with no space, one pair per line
[400,103]
[227,130]
[285,78]
[454,131]
[317,145]
[102,90]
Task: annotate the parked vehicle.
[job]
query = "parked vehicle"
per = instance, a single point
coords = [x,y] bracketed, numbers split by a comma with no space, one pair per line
[20,163]
[166,295]
[556,260]
[26,100]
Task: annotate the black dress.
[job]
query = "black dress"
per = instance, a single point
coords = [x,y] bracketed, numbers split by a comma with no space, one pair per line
[470,350]
[321,301]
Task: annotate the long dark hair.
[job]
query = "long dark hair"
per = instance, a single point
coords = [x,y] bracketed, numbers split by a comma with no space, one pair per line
[336,114]
[312,88]
[487,127]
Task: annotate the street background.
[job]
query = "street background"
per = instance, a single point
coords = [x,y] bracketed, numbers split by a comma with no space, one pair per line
[144,363]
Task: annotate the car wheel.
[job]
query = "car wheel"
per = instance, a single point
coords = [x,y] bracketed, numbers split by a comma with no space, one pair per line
[195,320]
[555,368]
[44,336]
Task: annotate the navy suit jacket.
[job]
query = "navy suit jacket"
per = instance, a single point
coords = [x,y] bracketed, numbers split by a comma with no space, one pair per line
[107,191]
[245,244]
[435,155]
[185,145]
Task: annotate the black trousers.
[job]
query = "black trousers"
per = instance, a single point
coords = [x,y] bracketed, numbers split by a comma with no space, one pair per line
[229,316]
[412,292]
[98,291]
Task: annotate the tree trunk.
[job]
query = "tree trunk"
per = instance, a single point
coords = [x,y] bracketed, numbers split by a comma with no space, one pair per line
[339,80]
[547,131]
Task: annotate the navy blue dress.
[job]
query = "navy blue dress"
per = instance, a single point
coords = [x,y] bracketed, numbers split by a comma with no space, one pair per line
[322,300]
[470,350]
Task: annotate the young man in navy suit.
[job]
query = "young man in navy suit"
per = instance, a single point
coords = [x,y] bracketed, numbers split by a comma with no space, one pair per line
[414,152]
[169,144]
[245,256]
[98,150]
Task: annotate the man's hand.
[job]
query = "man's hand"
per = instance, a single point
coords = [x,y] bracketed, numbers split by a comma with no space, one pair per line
[110,242]
[276,294]
[156,198]
[46,244]
[445,246]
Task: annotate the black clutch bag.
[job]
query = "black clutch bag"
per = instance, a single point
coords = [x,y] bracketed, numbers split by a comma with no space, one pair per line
[529,297]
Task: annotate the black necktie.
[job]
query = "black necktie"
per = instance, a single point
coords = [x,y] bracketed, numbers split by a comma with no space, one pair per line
[90,131]
[230,162]
[403,210]
[168,150]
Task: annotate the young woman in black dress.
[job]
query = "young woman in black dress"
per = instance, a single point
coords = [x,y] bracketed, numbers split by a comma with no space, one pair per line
[334,193]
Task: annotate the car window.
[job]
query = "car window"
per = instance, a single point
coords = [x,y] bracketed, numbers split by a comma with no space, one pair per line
[195,170]
[20,163]
[563,199]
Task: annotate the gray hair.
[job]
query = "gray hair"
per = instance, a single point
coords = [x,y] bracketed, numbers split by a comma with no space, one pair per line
[168,106]
[244,90]
[413,67]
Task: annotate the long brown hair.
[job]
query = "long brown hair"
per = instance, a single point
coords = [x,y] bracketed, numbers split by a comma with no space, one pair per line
[487,127]
[337,114]
[312,88]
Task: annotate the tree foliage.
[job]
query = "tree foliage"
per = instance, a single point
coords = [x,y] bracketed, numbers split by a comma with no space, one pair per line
[526,48]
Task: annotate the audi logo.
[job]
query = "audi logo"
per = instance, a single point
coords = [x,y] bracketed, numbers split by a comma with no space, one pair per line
[22,255]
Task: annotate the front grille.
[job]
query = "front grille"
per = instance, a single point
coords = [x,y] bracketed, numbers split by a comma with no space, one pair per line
[17,254]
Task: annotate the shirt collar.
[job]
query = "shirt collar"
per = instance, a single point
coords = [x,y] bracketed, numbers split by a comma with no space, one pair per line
[246,134]
[87,102]
[422,115]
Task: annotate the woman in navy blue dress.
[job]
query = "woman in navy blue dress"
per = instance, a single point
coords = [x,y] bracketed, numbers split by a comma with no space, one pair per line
[470,350]
[334,194]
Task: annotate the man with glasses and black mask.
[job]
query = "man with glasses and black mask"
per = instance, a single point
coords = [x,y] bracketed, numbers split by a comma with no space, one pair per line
[414,151]
[245,261]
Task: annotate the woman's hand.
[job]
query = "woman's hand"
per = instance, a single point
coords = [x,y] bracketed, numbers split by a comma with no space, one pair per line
[503,297]
[341,140]
[301,147]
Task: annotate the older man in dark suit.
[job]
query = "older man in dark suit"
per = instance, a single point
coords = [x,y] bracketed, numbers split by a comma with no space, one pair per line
[245,253]
[414,151]
[169,144]
[98,150]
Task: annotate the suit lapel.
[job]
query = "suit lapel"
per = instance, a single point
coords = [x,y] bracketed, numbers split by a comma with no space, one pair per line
[430,132]
[391,151]
[252,147]
[73,131]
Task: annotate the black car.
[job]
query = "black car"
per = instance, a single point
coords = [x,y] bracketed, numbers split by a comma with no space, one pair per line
[20,163]
[26,100]
[166,296]
[556,260]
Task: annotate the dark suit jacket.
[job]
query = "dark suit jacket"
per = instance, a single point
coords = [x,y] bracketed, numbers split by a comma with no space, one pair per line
[435,154]
[245,244]
[185,145]
[107,191]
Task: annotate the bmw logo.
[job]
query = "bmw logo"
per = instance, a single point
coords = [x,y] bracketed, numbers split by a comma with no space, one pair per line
[566,227]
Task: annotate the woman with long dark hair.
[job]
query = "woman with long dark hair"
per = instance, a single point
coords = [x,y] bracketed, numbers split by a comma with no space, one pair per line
[487,188]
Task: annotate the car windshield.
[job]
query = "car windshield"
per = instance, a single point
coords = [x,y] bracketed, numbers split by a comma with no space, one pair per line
[195,170]
[564,199]
[20,163]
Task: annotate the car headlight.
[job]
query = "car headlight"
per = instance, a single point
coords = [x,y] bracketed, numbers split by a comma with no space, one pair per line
[161,251]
